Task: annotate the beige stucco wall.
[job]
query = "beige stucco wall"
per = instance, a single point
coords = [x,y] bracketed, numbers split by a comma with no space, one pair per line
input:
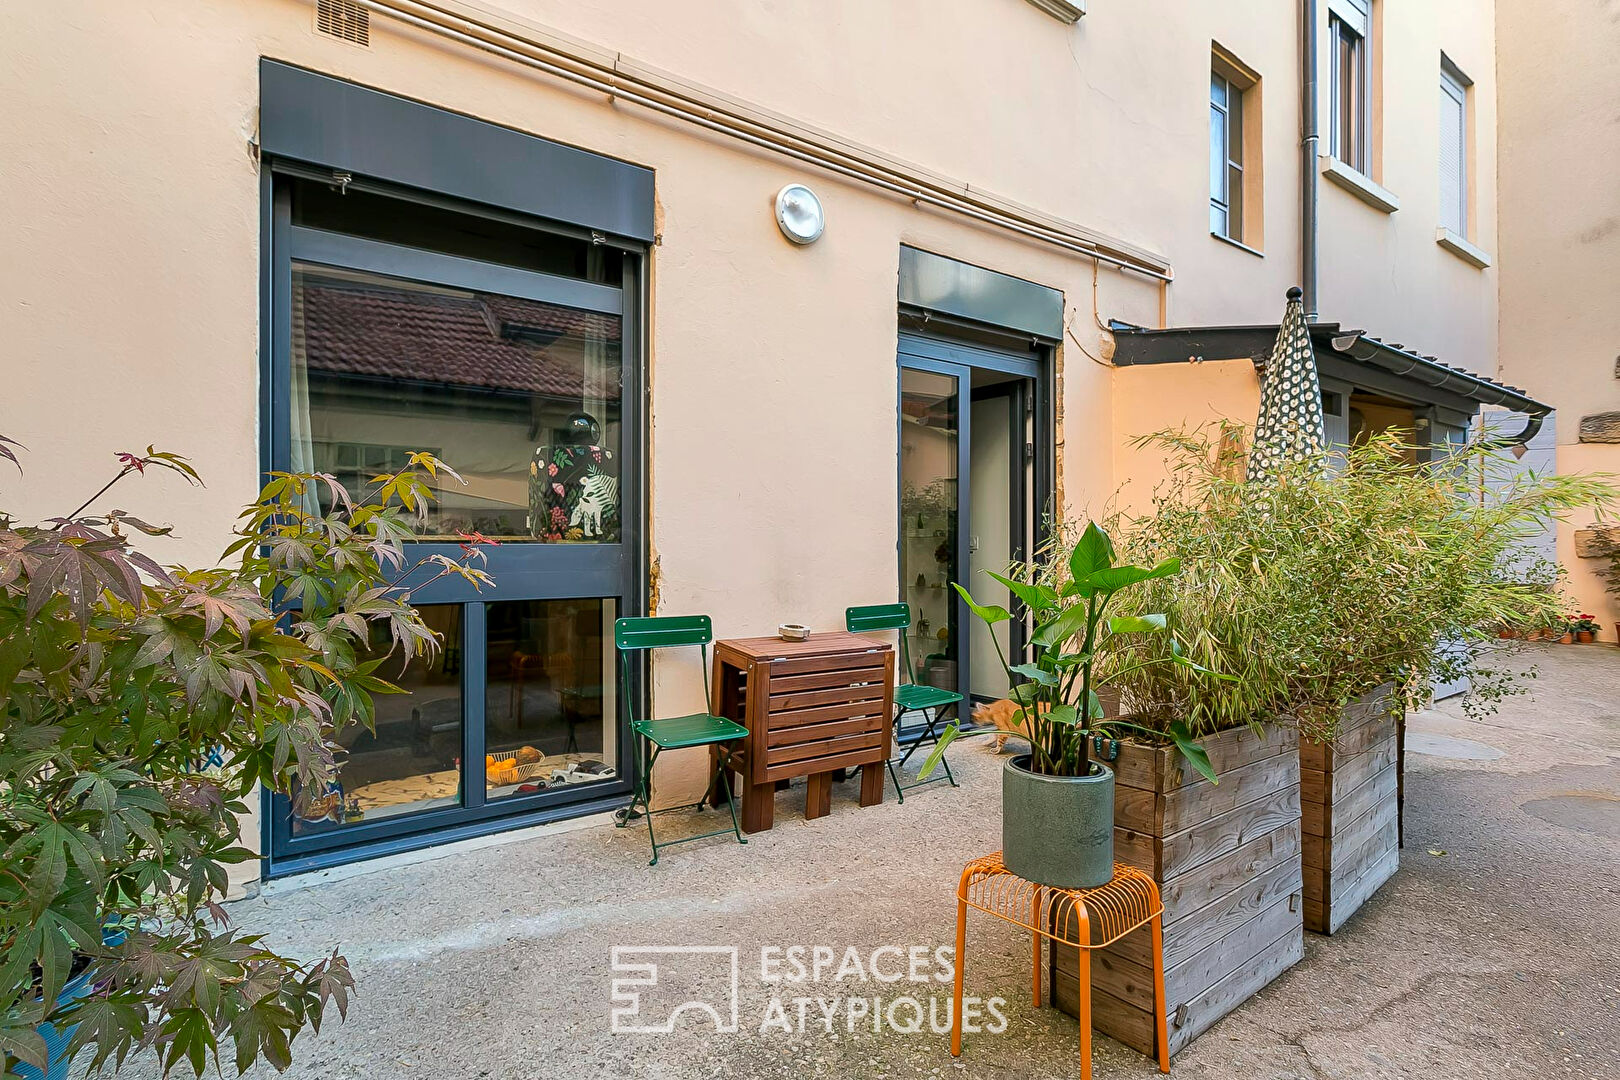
[1384,272]
[130,201]
[1560,244]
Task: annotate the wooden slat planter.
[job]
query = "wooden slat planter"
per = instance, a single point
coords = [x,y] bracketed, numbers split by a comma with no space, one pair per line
[1227,860]
[1350,811]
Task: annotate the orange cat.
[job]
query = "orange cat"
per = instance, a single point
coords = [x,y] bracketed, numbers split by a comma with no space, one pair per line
[1007,717]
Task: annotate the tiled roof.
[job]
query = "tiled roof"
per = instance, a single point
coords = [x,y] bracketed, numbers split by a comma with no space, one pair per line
[482,341]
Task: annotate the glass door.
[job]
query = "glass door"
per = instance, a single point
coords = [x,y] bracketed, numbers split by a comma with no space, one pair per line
[970,483]
[933,450]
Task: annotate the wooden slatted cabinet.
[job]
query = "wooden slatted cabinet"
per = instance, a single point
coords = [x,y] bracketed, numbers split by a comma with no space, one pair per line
[811,707]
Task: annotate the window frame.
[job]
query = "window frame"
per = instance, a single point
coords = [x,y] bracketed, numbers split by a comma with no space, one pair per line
[1242,171]
[1229,110]
[1455,84]
[537,571]
[1350,21]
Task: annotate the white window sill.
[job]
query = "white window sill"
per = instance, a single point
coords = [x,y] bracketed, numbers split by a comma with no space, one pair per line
[1068,11]
[1240,245]
[1360,186]
[1460,247]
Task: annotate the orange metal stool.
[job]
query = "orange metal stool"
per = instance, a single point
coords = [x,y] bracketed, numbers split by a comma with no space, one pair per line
[1101,916]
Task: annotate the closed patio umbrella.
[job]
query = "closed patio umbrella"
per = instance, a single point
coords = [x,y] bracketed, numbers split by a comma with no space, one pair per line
[1289,428]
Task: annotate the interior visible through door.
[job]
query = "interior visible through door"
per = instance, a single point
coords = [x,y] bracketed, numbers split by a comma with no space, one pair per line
[966,478]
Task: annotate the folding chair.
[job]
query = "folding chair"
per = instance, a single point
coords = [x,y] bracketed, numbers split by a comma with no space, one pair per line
[653,737]
[909,696]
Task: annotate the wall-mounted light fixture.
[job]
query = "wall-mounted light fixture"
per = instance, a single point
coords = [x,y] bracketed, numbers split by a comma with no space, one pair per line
[799,214]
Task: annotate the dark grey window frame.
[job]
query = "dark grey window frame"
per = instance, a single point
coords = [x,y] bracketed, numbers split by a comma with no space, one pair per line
[522,571]
[923,348]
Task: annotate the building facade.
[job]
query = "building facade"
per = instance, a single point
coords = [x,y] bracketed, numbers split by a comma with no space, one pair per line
[555,243]
[1561,252]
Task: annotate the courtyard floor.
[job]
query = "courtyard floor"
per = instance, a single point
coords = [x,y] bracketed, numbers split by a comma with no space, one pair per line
[1494,952]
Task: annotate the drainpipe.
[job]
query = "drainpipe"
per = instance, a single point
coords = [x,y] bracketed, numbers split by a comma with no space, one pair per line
[1311,12]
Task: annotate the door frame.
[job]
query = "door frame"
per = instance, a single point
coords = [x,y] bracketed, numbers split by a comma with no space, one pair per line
[1031,361]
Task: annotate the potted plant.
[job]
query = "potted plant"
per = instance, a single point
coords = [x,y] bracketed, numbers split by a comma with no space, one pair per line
[1586,628]
[1058,800]
[142,706]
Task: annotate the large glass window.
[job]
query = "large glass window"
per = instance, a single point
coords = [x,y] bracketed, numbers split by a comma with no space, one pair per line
[400,325]
[411,759]
[549,718]
[520,396]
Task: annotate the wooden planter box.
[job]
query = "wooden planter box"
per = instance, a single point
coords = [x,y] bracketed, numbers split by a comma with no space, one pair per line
[1227,860]
[1350,810]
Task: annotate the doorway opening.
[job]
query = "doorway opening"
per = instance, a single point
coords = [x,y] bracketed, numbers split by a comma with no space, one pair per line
[972,484]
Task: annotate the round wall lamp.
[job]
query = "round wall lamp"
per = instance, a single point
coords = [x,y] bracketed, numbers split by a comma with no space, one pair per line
[799,214]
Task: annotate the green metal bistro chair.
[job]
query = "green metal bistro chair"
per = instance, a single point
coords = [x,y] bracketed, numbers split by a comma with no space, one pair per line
[653,737]
[909,696]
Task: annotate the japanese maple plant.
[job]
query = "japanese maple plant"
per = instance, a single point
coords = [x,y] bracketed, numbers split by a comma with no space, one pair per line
[143,706]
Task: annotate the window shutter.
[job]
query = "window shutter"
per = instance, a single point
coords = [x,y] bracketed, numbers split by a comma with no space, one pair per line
[1453,152]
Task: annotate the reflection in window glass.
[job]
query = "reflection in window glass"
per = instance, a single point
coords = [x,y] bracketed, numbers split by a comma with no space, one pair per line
[522,398]
[411,762]
[550,716]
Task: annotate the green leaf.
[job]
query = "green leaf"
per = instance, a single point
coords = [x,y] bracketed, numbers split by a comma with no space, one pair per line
[1025,693]
[1114,578]
[1055,631]
[1063,714]
[937,754]
[1038,598]
[1092,552]
[991,614]
[20,1038]
[1195,754]
[1037,673]
[1178,657]
[1094,706]
[1137,624]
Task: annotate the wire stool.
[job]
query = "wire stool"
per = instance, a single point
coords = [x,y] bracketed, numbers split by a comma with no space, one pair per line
[1100,916]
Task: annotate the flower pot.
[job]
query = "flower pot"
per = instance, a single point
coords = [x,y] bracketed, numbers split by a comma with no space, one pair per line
[1058,830]
[1567,639]
[1507,633]
[57,1038]
[1585,637]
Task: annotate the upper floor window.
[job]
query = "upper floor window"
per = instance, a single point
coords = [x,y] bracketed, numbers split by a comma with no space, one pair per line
[1349,71]
[1453,148]
[1234,150]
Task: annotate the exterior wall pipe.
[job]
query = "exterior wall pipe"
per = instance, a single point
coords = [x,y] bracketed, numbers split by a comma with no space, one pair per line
[776,139]
[1310,13]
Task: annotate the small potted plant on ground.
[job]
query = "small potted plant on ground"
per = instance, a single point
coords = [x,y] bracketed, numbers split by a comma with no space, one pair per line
[1586,628]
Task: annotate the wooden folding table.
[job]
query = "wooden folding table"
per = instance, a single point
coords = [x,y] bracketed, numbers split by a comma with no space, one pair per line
[811,707]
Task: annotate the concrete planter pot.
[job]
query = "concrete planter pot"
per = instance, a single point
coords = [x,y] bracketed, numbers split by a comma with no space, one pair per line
[1058,830]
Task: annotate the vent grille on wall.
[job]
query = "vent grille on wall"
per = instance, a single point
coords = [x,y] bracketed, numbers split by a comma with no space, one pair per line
[344,19]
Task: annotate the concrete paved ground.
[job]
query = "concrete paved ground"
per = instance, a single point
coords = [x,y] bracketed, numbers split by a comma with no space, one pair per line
[1495,952]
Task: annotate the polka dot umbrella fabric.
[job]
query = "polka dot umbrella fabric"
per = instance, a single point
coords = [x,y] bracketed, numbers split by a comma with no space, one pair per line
[1289,428]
